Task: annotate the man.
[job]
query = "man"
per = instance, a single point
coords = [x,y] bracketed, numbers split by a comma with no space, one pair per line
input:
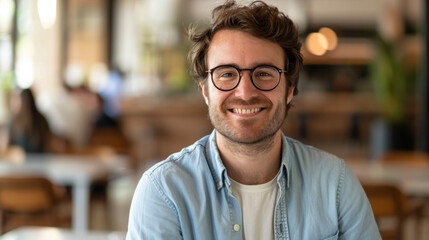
[247,180]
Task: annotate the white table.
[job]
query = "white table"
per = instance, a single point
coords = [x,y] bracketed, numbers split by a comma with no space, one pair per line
[51,233]
[413,179]
[70,170]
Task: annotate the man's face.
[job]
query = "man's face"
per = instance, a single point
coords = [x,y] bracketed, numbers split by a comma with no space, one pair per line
[245,114]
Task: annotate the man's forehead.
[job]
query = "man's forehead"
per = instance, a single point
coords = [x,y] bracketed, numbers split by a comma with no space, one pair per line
[237,47]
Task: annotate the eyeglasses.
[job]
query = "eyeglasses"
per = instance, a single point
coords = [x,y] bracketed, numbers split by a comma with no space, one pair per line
[264,77]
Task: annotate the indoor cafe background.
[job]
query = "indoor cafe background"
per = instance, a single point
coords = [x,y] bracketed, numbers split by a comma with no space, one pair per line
[112,75]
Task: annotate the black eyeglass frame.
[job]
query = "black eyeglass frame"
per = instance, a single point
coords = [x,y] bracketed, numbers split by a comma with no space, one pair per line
[251,70]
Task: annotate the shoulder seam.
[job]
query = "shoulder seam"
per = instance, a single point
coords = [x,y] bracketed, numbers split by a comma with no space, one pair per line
[173,158]
[188,149]
[340,183]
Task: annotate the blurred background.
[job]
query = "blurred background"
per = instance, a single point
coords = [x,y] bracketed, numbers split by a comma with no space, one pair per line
[110,78]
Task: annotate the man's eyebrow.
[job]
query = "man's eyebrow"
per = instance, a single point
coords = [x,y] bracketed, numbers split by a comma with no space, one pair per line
[266,64]
[257,64]
[224,64]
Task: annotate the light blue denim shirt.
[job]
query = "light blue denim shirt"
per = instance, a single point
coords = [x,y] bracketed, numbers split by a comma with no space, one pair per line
[188,196]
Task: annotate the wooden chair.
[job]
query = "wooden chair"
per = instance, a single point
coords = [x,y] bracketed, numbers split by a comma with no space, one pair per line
[389,202]
[416,159]
[28,200]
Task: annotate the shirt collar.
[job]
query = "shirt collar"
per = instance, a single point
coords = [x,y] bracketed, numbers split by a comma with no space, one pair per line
[218,170]
[215,163]
[286,160]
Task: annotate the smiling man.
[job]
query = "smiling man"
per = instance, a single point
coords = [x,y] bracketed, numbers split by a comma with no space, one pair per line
[247,180]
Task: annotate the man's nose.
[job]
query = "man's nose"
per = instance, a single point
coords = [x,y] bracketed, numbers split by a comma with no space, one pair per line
[245,89]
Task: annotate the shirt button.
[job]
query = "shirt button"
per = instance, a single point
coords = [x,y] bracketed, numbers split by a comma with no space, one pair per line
[236,227]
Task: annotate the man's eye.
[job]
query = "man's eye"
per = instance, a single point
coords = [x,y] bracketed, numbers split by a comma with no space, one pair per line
[263,74]
[227,75]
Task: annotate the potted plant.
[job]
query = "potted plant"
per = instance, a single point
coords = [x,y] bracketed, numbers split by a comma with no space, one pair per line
[394,78]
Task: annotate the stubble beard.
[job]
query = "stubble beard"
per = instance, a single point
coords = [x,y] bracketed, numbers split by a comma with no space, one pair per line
[260,141]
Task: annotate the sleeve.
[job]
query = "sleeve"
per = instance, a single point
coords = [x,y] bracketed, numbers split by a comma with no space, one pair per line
[356,220]
[152,214]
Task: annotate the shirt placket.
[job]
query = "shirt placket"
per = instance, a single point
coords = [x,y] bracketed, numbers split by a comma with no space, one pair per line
[281,230]
[236,224]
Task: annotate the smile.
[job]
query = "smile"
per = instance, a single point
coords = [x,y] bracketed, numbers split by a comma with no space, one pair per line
[246,111]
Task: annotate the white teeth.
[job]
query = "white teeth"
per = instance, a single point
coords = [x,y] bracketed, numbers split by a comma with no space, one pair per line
[246,111]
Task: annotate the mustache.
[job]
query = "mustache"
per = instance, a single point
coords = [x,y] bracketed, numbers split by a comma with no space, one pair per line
[253,101]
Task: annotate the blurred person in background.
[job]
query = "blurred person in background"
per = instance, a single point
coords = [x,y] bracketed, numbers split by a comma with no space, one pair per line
[247,180]
[71,113]
[28,128]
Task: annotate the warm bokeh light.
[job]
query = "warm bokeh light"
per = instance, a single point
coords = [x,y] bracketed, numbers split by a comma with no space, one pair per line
[316,43]
[47,12]
[331,36]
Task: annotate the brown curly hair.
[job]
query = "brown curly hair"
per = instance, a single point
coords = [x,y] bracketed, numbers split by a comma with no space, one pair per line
[259,20]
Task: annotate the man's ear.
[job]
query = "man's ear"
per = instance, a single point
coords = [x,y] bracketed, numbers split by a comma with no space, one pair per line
[290,95]
[203,91]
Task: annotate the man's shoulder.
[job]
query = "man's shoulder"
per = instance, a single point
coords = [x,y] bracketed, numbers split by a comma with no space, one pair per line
[304,153]
[186,159]
[315,166]
[185,173]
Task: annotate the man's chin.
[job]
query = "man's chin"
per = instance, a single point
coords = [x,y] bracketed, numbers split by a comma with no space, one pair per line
[249,139]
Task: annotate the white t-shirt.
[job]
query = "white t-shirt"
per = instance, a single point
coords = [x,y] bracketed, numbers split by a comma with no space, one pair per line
[257,206]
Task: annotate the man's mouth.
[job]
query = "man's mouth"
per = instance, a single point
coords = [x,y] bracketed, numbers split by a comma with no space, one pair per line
[246,111]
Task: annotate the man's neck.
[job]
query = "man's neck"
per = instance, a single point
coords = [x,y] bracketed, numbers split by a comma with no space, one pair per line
[251,163]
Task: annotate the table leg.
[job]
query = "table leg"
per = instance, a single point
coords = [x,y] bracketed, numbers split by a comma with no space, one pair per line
[80,206]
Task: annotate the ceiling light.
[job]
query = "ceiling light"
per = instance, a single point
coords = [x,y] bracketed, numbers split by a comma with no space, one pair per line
[331,37]
[316,44]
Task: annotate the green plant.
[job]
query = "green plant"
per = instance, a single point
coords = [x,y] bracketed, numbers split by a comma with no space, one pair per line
[7,81]
[393,80]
